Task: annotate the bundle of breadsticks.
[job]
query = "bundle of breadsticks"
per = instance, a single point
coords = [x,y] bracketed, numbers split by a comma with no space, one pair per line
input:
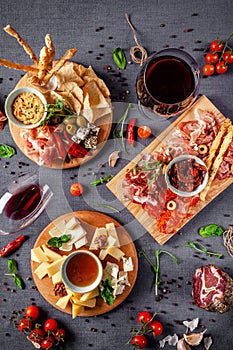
[44,66]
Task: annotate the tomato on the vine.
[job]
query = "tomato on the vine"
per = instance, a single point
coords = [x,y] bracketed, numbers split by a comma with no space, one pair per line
[60,334]
[144,317]
[221,67]
[76,189]
[228,56]
[211,57]
[156,327]
[32,312]
[25,325]
[37,335]
[139,341]
[50,325]
[208,69]
[48,342]
[216,45]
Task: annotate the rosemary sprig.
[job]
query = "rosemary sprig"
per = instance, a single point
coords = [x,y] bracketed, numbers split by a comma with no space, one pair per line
[119,129]
[101,180]
[156,266]
[108,207]
[199,247]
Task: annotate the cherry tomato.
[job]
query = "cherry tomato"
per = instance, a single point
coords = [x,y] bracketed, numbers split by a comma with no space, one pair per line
[156,327]
[60,334]
[32,312]
[144,132]
[221,67]
[208,69]
[48,342]
[216,45]
[50,325]
[139,341]
[76,189]
[25,325]
[211,58]
[228,56]
[37,335]
[144,317]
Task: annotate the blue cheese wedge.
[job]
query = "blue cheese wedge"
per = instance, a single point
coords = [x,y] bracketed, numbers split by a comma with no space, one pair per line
[100,239]
[127,264]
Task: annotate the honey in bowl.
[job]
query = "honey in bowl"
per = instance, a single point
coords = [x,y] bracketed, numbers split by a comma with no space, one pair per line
[82,271]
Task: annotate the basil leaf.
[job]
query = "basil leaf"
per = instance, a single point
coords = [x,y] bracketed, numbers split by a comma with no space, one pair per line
[119,58]
[12,265]
[211,230]
[52,242]
[18,281]
[6,151]
[65,238]
[106,292]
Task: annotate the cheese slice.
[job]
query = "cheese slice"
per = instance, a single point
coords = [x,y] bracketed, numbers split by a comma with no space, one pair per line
[55,266]
[76,310]
[76,233]
[87,303]
[63,301]
[66,247]
[103,253]
[72,223]
[51,254]
[89,295]
[38,255]
[100,239]
[58,230]
[56,278]
[41,270]
[111,230]
[116,253]
[81,242]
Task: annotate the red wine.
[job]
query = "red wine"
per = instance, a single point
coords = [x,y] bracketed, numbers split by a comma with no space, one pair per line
[169,80]
[23,202]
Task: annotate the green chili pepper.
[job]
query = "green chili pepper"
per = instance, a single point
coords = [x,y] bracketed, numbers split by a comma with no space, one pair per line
[119,58]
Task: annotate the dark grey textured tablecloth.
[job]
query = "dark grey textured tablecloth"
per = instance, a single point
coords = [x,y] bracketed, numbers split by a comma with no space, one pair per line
[96,28]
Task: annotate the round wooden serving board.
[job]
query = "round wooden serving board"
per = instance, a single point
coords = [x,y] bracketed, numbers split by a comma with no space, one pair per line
[89,220]
[104,123]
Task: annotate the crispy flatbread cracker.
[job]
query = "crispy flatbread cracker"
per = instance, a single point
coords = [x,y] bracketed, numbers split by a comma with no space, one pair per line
[218,160]
[67,73]
[101,84]
[18,66]
[11,31]
[80,70]
[216,143]
[96,98]
[72,88]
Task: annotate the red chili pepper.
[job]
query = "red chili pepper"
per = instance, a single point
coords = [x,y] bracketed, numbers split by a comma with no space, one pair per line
[130,132]
[60,145]
[12,246]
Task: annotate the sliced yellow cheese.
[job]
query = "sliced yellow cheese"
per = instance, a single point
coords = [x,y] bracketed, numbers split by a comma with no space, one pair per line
[55,266]
[89,295]
[103,253]
[111,230]
[38,255]
[87,303]
[41,270]
[116,253]
[51,254]
[63,301]
[76,310]
[56,278]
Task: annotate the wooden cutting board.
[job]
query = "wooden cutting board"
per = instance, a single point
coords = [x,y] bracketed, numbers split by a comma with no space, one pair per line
[149,223]
[89,220]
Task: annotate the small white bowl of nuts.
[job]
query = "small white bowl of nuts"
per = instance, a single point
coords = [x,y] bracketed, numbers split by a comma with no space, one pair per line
[25,107]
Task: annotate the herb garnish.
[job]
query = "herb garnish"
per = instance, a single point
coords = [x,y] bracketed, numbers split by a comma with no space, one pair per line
[108,207]
[211,230]
[156,266]
[58,110]
[57,241]
[6,151]
[101,180]
[200,248]
[119,129]
[106,292]
[12,267]
[119,58]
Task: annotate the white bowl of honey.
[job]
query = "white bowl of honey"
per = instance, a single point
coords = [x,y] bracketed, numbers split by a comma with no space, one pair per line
[82,271]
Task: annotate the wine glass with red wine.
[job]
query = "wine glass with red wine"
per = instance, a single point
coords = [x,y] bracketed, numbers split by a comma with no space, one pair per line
[168,83]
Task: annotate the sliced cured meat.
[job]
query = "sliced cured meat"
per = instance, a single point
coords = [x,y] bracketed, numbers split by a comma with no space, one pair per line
[212,289]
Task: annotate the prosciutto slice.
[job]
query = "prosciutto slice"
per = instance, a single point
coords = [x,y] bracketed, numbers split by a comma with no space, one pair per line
[212,289]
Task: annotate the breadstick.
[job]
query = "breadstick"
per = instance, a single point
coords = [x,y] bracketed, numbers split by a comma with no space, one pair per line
[67,56]
[216,143]
[217,162]
[51,48]
[11,31]
[44,63]
[18,66]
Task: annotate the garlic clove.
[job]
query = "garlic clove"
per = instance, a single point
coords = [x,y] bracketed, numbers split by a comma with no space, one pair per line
[113,158]
[182,345]
[194,338]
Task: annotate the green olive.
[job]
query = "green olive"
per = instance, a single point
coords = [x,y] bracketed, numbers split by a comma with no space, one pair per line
[71,129]
[69,120]
[81,121]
